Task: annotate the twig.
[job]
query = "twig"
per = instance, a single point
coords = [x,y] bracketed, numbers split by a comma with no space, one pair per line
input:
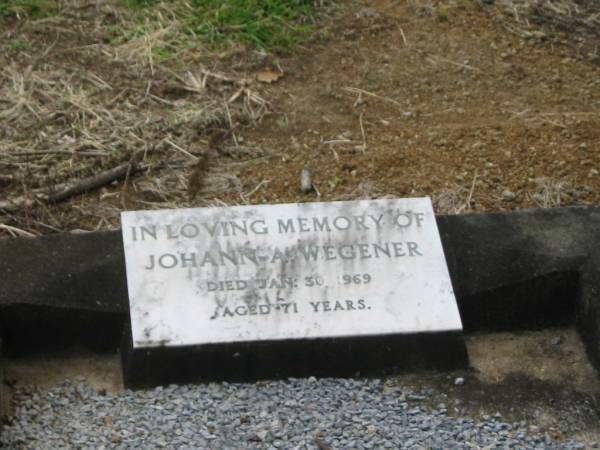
[15,204]
[316,190]
[147,92]
[88,184]
[177,147]
[231,126]
[50,47]
[362,132]
[371,94]
[359,100]
[132,165]
[162,100]
[236,94]
[335,154]
[518,31]
[338,141]
[222,77]
[449,61]
[45,153]
[515,115]
[403,36]
[14,231]
[245,197]
[470,197]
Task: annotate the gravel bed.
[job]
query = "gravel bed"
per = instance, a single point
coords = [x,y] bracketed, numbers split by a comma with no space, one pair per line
[324,414]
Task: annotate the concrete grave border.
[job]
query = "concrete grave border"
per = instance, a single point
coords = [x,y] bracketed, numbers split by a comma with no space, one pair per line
[510,271]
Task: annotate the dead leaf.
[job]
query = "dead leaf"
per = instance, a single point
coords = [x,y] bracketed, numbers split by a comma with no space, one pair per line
[108,420]
[268,76]
[320,444]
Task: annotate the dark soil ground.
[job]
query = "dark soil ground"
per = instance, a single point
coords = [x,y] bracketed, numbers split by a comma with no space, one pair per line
[463,110]
[481,107]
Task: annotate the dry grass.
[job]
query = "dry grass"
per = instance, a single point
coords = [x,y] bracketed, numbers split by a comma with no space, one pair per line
[101,105]
[579,18]
[550,193]
[84,91]
[152,38]
[452,200]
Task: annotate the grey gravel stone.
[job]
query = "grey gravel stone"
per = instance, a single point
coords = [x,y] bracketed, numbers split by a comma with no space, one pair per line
[294,414]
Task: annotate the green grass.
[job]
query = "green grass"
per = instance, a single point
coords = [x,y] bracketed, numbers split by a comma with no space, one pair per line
[268,25]
[264,23]
[20,45]
[28,8]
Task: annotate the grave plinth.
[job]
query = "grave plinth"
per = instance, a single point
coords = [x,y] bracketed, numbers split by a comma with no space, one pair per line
[249,292]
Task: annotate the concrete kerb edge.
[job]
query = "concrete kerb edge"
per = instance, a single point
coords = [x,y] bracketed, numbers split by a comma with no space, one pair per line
[532,269]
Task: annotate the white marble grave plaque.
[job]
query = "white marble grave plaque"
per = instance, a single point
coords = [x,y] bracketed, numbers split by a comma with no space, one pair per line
[288,271]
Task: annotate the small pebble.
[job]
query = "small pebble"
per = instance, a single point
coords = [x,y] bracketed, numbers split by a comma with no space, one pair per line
[509,196]
[306,184]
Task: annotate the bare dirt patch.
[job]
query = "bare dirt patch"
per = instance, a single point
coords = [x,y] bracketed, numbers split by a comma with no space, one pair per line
[99,371]
[453,99]
[412,105]
[542,377]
